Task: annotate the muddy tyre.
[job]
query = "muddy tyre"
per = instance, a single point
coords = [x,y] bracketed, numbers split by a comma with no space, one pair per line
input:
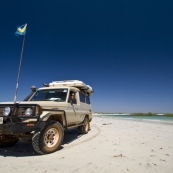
[85,127]
[49,139]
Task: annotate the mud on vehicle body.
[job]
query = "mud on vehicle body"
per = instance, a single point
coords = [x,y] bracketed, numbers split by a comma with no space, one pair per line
[45,113]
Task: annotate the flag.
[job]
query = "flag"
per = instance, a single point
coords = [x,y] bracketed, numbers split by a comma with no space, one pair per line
[21,30]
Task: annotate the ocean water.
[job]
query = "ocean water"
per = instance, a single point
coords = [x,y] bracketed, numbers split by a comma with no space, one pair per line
[143,118]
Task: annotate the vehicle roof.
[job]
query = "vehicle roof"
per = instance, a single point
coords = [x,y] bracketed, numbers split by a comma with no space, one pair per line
[57,87]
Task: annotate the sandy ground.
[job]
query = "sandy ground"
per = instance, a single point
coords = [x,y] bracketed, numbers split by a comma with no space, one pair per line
[112,145]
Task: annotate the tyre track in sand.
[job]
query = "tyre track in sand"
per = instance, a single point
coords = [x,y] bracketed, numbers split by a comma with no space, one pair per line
[98,131]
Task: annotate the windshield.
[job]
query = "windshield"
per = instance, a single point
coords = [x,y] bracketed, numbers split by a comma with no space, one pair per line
[50,95]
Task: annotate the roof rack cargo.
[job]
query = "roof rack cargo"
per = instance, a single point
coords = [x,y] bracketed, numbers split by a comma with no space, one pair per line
[73,83]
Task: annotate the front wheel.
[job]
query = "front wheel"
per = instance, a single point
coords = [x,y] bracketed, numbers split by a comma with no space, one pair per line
[49,139]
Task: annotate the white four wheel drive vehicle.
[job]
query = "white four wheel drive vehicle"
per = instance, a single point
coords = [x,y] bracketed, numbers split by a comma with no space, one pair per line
[45,113]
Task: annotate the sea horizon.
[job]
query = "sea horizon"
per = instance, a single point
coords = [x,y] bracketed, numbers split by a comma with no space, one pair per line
[138,117]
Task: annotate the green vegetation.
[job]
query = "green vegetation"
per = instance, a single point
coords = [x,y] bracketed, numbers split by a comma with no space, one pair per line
[168,115]
[151,114]
[140,114]
[144,114]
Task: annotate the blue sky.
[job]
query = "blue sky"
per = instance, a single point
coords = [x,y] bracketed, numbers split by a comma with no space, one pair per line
[122,48]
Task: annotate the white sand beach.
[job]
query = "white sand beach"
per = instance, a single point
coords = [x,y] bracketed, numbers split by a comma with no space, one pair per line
[112,145]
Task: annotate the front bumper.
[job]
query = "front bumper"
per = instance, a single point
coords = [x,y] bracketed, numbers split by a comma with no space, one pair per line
[16,123]
[17,128]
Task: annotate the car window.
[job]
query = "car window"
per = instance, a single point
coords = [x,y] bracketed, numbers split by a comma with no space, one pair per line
[50,95]
[87,99]
[72,99]
[82,97]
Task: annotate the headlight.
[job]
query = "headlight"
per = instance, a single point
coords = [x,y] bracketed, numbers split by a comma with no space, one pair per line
[6,111]
[28,112]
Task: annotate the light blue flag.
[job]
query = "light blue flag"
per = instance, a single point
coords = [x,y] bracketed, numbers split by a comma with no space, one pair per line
[21,30]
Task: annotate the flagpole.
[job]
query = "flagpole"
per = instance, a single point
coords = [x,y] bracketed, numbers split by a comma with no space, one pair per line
[17,83]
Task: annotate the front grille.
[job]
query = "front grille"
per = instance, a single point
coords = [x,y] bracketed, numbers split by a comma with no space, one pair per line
[21,112]
[18,111]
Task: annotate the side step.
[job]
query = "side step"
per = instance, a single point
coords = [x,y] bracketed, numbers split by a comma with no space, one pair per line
[74,126]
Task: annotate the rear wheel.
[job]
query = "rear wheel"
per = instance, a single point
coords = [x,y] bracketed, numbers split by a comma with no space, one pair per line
[7,141]
[49,139]
[85,127]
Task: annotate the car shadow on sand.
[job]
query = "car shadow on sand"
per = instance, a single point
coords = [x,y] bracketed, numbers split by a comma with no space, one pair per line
[24,149]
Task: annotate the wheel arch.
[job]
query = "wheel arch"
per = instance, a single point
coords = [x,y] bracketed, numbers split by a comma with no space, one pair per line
[87,116]
[57,117]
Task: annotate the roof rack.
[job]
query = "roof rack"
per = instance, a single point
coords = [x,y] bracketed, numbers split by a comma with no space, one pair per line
[73,83]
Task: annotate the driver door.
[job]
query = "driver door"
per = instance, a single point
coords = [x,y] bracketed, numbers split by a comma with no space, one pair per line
[71,111]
